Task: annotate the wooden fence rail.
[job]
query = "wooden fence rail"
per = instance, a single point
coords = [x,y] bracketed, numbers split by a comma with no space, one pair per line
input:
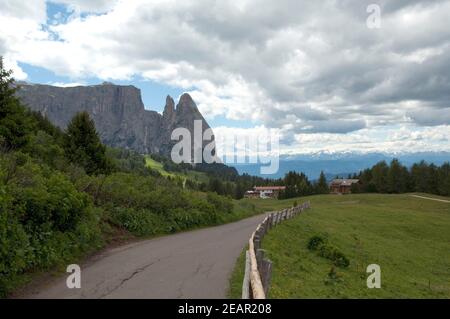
[258,269]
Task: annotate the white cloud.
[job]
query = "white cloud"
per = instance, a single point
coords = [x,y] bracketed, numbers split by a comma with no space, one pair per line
[96,6]
[66,85]
[392,139]
[302,67]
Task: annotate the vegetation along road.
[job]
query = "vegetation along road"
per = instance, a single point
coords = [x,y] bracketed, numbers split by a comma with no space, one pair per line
[194,264]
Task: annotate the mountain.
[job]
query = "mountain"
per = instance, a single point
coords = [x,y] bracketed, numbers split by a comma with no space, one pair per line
[341,164]
[118,111]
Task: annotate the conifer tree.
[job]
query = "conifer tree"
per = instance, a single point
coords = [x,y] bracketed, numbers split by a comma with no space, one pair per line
[14,123]
[322,185]
[82,145]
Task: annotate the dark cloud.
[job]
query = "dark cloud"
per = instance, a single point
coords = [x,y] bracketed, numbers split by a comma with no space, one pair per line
[431,117]
[331,126]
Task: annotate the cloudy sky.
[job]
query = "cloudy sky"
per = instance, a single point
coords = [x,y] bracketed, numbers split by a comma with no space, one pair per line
[311,70]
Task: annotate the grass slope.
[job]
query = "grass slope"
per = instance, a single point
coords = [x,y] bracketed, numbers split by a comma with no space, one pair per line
[157,166]
[408,237]
[192,175]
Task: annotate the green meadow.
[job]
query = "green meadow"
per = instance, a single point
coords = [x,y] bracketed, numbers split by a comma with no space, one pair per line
[408,237]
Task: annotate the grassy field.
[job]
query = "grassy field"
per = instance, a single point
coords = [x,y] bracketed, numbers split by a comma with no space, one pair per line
[409,238]
[192,175]
[157,166]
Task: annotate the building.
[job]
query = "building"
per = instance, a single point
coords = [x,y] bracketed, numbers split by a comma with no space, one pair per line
[264,192]
[342,186]
[251,194]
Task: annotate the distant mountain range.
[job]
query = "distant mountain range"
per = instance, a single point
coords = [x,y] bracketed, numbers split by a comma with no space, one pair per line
[340,164]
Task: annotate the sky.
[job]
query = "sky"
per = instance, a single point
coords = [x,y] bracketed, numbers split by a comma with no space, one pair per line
[313,71]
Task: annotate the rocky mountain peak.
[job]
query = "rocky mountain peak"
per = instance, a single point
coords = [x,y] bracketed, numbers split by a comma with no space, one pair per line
[118,113]
[169,109]
[186,103]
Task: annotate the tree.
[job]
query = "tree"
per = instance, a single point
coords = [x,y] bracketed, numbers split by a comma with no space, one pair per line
[379,177]
[397,177]
[322,185]
[15,125]
[215,185]
[444,180]
[420,175]
[239,191]
[83,147]
[296,185]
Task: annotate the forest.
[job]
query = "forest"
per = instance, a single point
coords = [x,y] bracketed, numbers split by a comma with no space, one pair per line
[395,178]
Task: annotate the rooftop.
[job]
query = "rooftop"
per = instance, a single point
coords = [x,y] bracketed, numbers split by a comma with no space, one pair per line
[269,188]
[344,182]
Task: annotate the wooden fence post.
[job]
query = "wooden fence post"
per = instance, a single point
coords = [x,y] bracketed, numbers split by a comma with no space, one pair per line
[246,283]
[256,242]
[259,258]
[267,270]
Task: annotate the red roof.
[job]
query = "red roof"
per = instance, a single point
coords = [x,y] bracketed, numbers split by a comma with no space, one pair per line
[269,188]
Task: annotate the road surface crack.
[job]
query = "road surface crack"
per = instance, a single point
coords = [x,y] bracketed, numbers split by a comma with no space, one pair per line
[123,281]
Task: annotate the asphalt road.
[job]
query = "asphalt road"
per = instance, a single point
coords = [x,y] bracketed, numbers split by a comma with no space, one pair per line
[194,264]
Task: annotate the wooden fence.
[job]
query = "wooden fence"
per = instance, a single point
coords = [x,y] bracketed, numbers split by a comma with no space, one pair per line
[258,269]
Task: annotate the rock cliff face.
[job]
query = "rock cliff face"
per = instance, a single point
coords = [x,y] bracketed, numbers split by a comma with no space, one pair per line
[118,112]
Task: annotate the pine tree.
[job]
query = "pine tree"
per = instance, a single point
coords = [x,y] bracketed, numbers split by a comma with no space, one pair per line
[15,125]
[397,177]
[420,175]
[83,147]
[239,191]
[322,186]
[379,177]
[444,180]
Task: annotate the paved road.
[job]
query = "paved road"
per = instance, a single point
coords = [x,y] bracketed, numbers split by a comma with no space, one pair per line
[430,198]
[194,264]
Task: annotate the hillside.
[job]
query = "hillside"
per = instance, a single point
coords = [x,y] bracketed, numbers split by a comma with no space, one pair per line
[408,237]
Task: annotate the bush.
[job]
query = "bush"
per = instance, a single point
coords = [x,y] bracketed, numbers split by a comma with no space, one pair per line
[47,203]
[328,251]
[220,203]
[44,149]
[340,259]
[139,222]
[316,242]
[15,250]
[44,220]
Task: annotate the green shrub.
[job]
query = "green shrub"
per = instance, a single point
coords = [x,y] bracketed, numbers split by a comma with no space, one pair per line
[328,251]
[332,253]
[44,220]
[316,242]
[139,222]
[340,259]
[15,250]
[221,204]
